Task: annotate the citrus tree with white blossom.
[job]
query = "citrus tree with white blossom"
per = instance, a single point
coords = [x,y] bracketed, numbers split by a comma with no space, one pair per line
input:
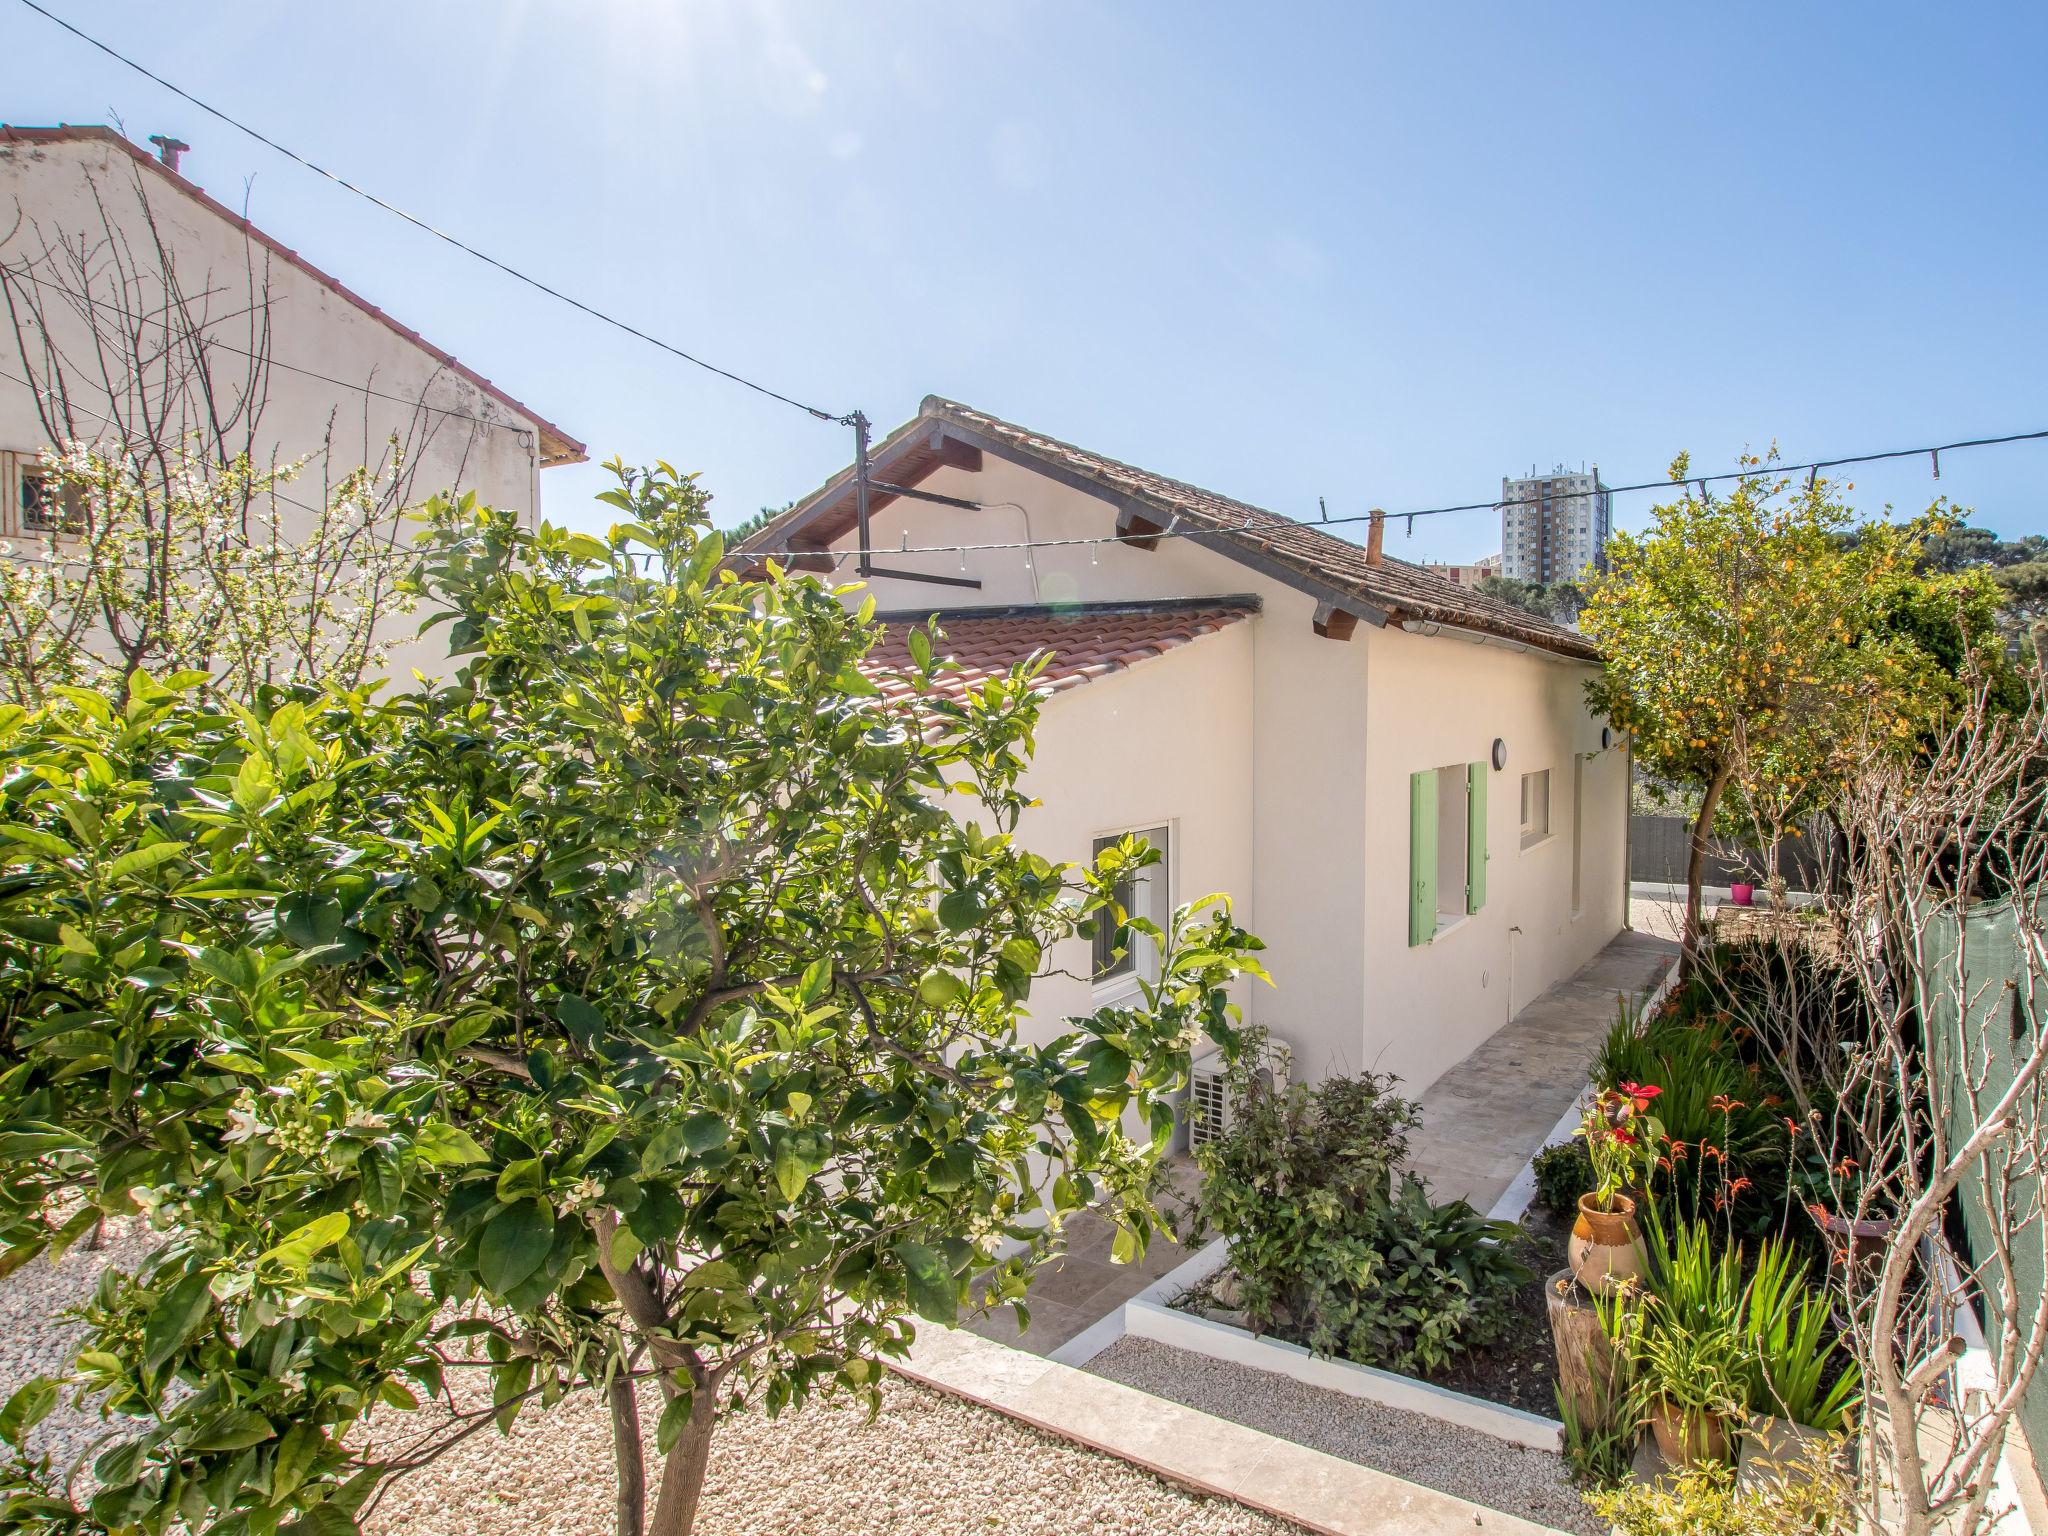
[640,1009]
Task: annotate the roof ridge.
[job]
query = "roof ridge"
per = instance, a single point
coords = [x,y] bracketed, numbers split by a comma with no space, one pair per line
[1288,549]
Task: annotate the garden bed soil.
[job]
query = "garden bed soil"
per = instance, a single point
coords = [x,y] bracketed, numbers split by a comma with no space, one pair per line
[1520,1368]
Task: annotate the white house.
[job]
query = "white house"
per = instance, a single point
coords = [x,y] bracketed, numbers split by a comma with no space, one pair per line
[1397,780]
[98,237]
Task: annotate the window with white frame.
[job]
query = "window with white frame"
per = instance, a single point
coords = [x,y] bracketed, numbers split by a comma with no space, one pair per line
[1535,807]
[1144,893]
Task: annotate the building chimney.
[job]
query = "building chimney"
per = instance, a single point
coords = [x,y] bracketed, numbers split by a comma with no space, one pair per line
[1375,535]
[168,150]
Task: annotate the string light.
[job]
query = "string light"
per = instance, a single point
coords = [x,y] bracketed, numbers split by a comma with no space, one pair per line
[1250,525]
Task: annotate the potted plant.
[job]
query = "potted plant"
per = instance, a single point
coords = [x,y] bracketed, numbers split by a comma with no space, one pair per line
[1692,1379]
[1621,1137]
[1848,1207]
[1787,1362]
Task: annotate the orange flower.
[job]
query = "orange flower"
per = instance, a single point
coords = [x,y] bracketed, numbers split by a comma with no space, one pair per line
[1737,1185]
[1725,1104]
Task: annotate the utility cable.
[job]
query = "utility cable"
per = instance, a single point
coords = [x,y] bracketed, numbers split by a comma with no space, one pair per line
[419,223]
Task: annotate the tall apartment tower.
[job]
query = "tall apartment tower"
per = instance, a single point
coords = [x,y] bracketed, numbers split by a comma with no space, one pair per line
[1553,526]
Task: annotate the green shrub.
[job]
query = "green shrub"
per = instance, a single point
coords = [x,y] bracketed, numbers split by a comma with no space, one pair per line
[1811,1498]
[1326,1252]
[1564,1171]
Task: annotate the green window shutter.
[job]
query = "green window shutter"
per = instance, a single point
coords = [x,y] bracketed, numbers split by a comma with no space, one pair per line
[1421,857]
[1475,837]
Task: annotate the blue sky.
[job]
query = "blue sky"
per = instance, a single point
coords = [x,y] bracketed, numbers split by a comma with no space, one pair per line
[1381,254]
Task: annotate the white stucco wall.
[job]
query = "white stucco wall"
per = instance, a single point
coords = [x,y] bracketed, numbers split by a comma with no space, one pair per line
[1318,736]
[1439,700]
[1158,745]
[459,436]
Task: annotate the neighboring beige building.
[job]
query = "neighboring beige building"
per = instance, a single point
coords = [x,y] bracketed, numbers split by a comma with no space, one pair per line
[1310,727]
[82,205]
[1554,527]
[1464,575]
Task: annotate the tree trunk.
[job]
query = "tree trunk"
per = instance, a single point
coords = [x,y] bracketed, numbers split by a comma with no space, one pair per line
[1695,871]
[682,1475]
[1585,1359]
[626,1452]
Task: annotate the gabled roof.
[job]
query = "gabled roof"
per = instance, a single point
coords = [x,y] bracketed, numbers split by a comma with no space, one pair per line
[1085,640]
[1334,570]
[556,446]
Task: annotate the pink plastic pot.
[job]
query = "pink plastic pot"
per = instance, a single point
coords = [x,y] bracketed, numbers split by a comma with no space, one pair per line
[1742,895]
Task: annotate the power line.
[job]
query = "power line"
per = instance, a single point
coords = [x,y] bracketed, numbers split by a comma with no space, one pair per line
[269,361]
[421,224]
[1252,525]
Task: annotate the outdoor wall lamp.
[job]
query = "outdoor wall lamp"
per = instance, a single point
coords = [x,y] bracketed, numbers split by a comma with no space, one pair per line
[1500,754]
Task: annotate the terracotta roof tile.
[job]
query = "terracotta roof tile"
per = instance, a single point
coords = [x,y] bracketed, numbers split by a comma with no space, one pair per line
[1394,587]
[1085,641]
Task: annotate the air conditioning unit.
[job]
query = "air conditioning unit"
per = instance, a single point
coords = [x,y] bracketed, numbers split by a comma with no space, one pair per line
[1209,1107]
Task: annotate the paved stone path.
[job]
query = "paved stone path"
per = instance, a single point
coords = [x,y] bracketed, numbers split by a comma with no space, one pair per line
[1483,1119]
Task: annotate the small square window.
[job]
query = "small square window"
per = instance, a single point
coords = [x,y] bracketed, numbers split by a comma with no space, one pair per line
[45,503]
[1535,807]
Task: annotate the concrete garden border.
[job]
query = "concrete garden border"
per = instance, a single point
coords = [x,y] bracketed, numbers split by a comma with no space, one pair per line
[1151,1315]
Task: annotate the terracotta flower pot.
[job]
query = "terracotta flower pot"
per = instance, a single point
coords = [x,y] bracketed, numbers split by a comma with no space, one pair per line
[1863,1241]
[1605,1249]
[1688,1437]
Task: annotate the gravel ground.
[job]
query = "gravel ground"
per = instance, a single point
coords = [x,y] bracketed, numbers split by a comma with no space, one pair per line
[1520,1481]
[37,1339]
[930,1465]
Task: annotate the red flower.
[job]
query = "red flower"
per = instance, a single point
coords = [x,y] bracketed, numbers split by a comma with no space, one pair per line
[1791,1127]
[1737,1185]
[1621,1137]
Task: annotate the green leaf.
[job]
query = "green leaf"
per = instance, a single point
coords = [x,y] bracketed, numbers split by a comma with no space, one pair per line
[231,1430]
[296,1252]
[254,784]
[521,1180]
[46,843]
[705,1131]
[296,1453]
[29,1405]
[445,1144]
[677,1414]
[960,910]
[175,1318]
[309,920]
[515,1244]
[1123,1248]
[921,648]
[790,1173]
[138,860]
[933,1291]
[817,981]
[583,1022]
